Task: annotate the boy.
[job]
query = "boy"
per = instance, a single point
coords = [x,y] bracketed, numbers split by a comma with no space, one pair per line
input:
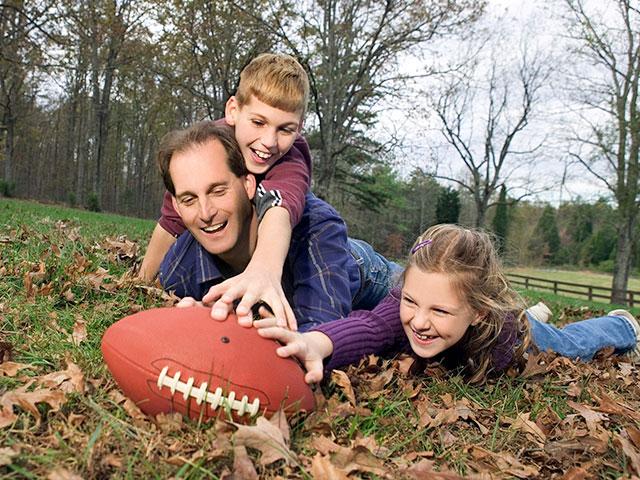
[267,113]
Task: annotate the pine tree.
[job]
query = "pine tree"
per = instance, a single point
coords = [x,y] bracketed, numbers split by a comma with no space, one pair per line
[448,206]
[501,220]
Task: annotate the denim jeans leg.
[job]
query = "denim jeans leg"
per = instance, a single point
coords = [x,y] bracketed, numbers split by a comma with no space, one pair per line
[377,275]
[583,339]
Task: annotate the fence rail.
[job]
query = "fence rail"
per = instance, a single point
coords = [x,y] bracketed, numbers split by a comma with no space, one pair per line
[591,292]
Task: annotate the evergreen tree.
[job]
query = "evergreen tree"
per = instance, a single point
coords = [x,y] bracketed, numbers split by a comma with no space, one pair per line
[448,206]
[547,236]
[501,220]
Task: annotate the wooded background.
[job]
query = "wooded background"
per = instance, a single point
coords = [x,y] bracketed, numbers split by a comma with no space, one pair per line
[87,89]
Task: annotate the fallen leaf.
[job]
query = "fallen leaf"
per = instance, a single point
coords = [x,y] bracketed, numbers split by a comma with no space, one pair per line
[243,468]
[575,473]
[267,438]
[525,425]
[79,332]
[69,380]
[424,470]
[10,369]
[629,450]
[323,469]
[27,401]
[60,473]
[341,379]
[357,459]
[169,422]
[7,455]
[592,418]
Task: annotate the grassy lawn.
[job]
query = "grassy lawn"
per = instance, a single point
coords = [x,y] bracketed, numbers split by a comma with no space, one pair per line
[65,276]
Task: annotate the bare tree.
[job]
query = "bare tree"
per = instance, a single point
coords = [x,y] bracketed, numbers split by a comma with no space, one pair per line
[351,49]
[609,43]
[502,107]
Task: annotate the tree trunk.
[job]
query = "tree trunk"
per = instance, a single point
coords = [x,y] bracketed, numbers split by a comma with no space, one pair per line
[622,266]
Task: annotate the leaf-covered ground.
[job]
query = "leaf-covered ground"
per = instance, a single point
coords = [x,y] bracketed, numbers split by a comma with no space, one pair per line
[65,276]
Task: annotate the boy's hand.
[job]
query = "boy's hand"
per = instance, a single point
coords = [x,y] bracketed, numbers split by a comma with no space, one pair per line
[310,348]
[252,286]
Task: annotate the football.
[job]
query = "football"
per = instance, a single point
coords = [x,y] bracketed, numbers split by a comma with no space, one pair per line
[181,360]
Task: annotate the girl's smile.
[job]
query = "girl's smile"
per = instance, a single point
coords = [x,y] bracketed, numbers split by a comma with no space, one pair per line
[433,316]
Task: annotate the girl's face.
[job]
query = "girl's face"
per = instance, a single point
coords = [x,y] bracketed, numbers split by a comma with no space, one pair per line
[434,317]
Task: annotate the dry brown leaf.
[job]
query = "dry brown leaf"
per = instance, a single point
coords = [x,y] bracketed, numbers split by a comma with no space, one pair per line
[567,448]
[279,420]
[10,369]
[590,416]
[341,379]
[169,422]
[507,463]
[323,469]
[324,445]
[69,380]
[79,332]
[609,405]
[629,450]
[267,438]
[575,473]
[60,473]
[6,455]
[357,459]
[27,401]
[530,428]
[423,470]
[243,468]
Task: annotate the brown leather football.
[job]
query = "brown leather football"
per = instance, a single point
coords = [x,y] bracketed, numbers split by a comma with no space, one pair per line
[180,359]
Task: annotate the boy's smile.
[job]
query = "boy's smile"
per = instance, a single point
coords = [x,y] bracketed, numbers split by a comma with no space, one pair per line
[433,316]
[264,133]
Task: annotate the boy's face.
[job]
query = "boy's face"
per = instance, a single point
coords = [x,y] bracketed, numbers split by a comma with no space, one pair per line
[264,133]
[214,204]
[433,316]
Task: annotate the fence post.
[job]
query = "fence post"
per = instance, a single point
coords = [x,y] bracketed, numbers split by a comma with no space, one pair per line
[555,287]
[631,299]
[590,293]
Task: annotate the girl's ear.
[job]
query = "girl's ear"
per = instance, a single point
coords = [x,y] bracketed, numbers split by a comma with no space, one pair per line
[478,318]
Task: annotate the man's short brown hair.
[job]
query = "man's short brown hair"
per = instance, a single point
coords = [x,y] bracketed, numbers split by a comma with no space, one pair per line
[178,141]
[276,79]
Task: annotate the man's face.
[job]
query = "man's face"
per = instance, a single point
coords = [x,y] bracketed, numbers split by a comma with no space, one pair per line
[214,204]
[263,132]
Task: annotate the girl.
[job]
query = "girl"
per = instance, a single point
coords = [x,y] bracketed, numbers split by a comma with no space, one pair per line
[455,307]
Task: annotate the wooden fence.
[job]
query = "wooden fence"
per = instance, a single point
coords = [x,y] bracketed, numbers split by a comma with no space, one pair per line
[575,289]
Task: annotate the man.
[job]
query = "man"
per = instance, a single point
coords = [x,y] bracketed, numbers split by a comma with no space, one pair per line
[325,274]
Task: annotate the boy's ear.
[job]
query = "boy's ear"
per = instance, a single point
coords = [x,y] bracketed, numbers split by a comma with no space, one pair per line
[231,110]
[250,185]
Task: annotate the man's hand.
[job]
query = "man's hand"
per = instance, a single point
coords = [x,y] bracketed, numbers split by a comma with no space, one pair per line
[311,348]
[188,302]
[251,286]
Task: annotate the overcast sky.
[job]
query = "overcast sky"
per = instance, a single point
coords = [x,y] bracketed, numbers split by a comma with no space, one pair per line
[538,25]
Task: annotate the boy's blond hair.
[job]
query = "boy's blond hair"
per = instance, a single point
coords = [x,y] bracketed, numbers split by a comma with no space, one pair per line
[276,79]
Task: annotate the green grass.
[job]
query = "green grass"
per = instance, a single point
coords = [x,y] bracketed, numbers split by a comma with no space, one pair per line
[399,420]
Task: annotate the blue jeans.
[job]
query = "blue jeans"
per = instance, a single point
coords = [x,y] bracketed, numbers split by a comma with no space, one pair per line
[584,338]
[377,275]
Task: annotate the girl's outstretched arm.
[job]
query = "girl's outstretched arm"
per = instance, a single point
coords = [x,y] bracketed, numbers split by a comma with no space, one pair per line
[311,348]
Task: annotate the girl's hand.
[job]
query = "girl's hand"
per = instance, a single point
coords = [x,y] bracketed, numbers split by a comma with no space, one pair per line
[311,348]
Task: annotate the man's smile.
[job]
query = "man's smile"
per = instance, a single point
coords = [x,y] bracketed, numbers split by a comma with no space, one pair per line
[214,228]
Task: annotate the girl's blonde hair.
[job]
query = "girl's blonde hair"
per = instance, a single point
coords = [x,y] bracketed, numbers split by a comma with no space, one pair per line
[469,257]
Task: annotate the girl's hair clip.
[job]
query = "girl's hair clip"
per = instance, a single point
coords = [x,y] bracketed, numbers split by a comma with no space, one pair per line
[420,245]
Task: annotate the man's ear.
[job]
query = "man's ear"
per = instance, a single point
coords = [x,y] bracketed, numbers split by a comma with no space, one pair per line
[231,109]
[174,202]
[250,185]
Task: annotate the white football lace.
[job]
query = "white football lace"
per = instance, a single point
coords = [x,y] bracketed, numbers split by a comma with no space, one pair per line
[215,399]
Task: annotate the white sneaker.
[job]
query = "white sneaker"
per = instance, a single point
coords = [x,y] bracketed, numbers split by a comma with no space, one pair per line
[540,312]
[635,353]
